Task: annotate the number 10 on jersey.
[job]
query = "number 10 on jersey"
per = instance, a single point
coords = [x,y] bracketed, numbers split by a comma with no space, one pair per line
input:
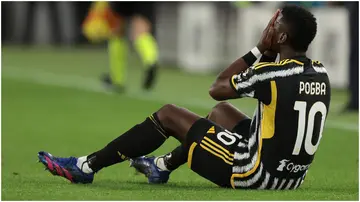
[318,107]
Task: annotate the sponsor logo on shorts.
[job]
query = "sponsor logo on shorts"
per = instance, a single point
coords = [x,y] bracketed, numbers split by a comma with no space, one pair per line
[287,165]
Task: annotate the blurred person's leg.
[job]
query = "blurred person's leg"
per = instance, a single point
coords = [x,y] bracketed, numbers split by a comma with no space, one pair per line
[118,48]
[142,36]
[142,16]
[353,8]
[102,23]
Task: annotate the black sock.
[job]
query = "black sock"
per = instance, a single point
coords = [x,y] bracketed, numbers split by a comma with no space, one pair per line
[150,77]
[176,158]
[140,140]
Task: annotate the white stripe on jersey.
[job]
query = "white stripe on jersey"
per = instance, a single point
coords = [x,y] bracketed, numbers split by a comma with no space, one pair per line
[289,184]
[255,136]
[265,182]
[303,177]
[250,181]
[251,94]
[247,167]
[297,183]
[302,180]
[258,174]
[274,183]
[268,75]
[320,69]
[282,184]
[241,145]
[241,156]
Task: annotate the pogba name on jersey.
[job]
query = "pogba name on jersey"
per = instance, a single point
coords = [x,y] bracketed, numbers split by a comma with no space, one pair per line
[312,88]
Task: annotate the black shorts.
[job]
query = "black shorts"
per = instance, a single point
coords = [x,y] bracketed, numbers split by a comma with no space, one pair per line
[211,149]
[128,9]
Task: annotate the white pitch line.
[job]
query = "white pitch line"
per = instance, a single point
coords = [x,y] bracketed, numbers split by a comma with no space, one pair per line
[92,85]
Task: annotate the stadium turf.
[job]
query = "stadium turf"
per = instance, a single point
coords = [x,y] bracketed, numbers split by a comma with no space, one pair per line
[52,100]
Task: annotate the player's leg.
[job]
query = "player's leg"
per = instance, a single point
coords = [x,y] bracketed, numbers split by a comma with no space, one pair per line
[140,140]
[118,48]
[211,151]
[227,116]
[143,37]
[223,114]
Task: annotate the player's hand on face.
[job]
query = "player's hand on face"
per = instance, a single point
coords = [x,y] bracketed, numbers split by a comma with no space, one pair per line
[267,35]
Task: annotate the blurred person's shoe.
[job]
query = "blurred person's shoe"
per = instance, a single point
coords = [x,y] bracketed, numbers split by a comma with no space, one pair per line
[147,166]
[110,85]
[65,167]
[150,76]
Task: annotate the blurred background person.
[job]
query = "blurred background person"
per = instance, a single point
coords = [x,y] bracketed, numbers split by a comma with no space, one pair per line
[141,17]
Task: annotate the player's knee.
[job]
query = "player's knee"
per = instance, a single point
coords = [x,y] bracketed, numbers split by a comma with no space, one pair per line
[166,113]
[219,107]
[218,110]
[139,25]
[222,105]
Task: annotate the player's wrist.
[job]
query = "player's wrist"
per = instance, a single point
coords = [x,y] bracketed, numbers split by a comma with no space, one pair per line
[252,56]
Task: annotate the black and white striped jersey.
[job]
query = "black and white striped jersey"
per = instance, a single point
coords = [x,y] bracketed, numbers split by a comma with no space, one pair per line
[293,102]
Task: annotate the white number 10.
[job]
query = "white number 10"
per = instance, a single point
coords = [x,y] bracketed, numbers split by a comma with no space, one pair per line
[315,108]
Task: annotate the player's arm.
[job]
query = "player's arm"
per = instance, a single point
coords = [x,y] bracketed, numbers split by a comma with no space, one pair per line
[253,83]
[222,89]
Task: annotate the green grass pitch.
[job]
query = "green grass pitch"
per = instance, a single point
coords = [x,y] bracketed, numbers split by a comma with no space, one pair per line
[52,100]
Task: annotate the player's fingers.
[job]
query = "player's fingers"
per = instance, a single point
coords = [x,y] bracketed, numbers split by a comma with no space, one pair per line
[275,16]
[270,34]
[272,21]
[271,31]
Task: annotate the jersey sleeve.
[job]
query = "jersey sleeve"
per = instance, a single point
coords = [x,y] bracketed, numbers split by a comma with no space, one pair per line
[249,84]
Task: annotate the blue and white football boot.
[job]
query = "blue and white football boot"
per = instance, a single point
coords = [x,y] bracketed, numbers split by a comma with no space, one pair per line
[65,167]
[147,166]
